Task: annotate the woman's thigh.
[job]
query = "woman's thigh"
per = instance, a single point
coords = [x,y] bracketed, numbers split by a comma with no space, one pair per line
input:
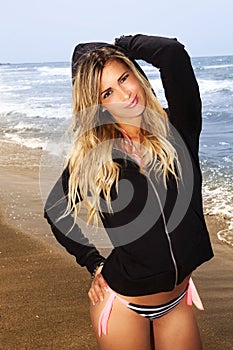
[126,329]
[177,330]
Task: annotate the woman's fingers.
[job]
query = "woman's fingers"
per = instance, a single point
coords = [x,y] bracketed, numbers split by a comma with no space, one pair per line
[102,282]
[93,297]
[97,290]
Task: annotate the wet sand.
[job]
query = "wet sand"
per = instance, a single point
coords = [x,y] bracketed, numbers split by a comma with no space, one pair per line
[43,297]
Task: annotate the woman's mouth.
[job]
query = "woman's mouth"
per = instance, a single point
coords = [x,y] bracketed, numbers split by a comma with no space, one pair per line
[133,103]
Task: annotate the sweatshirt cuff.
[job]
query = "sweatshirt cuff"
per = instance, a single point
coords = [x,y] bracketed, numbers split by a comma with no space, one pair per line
[93,262]
[123,41]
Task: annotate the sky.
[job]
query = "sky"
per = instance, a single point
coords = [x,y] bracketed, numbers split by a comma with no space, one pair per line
[48,30]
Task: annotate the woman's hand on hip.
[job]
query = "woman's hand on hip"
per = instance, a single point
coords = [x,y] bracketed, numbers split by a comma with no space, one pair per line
[98,288]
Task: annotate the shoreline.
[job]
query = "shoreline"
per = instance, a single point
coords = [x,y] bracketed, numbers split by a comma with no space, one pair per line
[44,295]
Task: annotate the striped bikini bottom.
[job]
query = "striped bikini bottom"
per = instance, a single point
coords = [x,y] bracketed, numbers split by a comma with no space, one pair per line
[153,312]
[150,312]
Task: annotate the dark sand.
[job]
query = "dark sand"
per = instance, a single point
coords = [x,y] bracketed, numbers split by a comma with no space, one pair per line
[44,303]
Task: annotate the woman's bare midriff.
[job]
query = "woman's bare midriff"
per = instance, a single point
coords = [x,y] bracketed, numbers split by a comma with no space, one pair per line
[158,298]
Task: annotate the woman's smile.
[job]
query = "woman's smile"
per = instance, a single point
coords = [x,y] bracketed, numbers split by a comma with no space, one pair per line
[133,103]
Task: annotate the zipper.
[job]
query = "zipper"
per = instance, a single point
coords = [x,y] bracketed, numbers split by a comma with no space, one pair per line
[162,212]
[166,230]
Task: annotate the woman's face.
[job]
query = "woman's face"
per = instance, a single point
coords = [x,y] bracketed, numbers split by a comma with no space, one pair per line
[121,92]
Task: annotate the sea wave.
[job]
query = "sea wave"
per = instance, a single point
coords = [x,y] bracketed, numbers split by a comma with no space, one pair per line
[218,187]
[210,86]
[24,127]
[49,111]
[216,66]
[30,142]
[206,85]
[219,201]
[226,236]
[54,71]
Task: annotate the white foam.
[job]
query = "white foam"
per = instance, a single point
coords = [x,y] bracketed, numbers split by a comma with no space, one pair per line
[226,236]
[32,109]
[218,200]
[28,142]
[54,71]
[206,86]
[224,143]
[23,126]
[228,159]
[211,85]
[217,66]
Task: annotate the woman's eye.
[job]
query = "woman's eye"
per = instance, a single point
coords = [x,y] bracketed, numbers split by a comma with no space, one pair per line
[107,94]
[124,78]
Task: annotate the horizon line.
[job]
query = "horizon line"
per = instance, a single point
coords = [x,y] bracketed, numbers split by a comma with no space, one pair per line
[44,61]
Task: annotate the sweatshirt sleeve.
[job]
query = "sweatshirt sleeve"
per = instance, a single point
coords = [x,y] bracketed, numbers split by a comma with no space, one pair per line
[178,79]
[68,234]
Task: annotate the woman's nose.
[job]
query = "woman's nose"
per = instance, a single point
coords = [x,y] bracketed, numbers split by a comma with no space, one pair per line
[125,93]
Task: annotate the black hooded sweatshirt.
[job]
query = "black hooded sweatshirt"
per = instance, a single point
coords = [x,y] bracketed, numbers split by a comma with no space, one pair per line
[159,234]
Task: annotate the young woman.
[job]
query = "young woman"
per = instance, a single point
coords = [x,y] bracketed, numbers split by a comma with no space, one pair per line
[136,166]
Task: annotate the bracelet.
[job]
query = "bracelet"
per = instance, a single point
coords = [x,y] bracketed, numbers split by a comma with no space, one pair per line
[96,268]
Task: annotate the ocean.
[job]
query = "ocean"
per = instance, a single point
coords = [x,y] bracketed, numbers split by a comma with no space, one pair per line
[35,110]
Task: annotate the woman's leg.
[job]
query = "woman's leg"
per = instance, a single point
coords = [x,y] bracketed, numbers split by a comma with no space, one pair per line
[126,329]
[177,330]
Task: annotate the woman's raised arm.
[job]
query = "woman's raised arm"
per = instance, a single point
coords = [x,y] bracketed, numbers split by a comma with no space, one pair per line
[178,79]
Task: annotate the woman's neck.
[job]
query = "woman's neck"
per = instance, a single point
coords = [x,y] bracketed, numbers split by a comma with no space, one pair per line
[132,131]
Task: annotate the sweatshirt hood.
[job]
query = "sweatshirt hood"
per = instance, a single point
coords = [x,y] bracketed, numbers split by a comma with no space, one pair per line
[83,48]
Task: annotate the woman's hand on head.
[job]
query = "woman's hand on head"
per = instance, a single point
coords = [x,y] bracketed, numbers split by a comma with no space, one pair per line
[98,287]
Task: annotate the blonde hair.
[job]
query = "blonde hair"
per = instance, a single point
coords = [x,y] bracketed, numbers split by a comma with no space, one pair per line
[92,169]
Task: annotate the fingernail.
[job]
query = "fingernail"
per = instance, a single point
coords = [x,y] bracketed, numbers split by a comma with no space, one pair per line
[106,289]
[102,299]
[93,303]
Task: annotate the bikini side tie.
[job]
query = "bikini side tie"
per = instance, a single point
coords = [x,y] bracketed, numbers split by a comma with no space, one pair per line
[192,297]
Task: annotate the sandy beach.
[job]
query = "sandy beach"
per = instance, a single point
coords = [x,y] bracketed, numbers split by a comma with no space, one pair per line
[44,303]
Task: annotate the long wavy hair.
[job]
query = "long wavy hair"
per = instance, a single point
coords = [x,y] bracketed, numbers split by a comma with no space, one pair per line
[92,169]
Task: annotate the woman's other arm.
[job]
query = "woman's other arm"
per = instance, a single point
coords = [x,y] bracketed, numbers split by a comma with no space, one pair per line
[68,234]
